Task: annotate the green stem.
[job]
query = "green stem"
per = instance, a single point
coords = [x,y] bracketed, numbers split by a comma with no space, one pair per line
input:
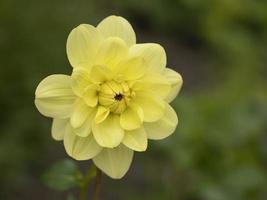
[97,184]
[85,182]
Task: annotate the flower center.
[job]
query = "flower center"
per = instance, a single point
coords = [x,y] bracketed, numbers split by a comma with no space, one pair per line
[115,95]
[118,97]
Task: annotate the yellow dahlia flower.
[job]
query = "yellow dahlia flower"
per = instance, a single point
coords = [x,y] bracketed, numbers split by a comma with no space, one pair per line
[116,98]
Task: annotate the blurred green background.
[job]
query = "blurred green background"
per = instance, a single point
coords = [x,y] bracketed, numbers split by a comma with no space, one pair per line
[219,150]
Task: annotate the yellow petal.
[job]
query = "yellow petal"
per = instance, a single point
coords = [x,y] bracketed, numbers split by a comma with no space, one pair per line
[58,128]
[115,26]
[100,74]
[153,82]
[114,162]
[176,82]
[102,114]
[152,106]
[86,128]
[80,148]
[54,96]
[82,44]
[80,113]
[131,68]
[164,127]
[90,95]
[111,51]
[131,118]
[80,79]
[136,139]
[109,132]
[153,54]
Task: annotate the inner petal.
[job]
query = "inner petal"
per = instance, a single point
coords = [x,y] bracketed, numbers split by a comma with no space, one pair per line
[115,96]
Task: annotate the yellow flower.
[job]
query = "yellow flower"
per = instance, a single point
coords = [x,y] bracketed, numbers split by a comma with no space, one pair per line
[115,99]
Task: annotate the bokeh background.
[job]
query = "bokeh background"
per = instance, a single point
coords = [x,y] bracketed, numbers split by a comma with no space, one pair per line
[219,150]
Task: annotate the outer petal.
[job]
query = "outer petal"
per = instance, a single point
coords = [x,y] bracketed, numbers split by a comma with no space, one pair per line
[153,54]
[80,79]
[80,148]
[153,82]
[80,113]
[176,82]
[132,118]
[82,44]
[152,106]
[108,133]
[58,128]
[85,129]
[136,139]
[131,68]
[164,127]
[114,162]
[54,96]
[115,26]
[111,51]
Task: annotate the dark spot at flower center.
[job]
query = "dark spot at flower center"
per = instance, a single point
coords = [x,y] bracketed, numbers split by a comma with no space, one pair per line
[118,97]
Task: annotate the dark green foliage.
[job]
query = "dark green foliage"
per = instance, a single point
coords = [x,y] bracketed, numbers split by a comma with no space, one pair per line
[219,150]
[63,175]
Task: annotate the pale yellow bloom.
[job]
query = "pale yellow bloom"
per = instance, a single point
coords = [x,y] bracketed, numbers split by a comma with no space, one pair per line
[116,98]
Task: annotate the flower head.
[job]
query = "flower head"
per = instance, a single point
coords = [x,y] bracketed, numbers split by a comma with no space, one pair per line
[116,98]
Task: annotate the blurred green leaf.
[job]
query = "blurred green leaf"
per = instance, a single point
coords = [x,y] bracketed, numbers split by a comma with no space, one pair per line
[219,149]
[71,197]
[62,175]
